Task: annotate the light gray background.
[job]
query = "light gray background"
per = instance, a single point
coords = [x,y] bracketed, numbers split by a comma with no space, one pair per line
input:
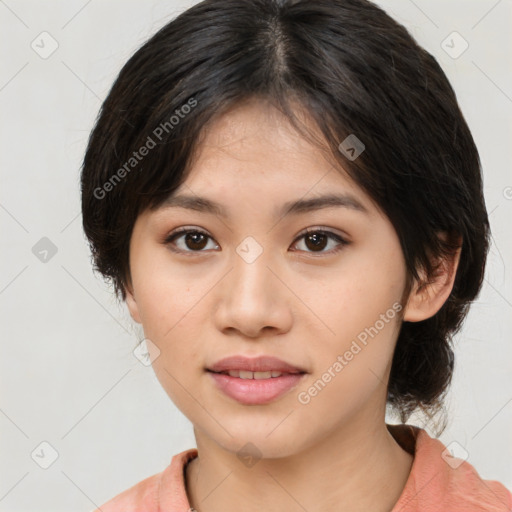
[68,375]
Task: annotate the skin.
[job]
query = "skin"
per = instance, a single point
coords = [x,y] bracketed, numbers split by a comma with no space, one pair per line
[302,305]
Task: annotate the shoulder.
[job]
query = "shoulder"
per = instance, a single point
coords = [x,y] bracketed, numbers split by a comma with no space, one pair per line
[439,481]
[153,493]
[140,497]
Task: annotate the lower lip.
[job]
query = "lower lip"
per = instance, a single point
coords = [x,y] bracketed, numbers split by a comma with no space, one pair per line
[256,391]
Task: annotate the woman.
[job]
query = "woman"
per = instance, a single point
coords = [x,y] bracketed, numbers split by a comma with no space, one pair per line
[288,198]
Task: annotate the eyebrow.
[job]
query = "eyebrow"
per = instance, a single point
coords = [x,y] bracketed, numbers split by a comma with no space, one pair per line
[299,206]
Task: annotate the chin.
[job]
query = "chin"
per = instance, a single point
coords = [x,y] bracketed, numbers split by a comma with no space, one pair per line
[252,444]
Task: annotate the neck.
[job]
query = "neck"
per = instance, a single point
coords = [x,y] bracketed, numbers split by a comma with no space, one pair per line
[356,469]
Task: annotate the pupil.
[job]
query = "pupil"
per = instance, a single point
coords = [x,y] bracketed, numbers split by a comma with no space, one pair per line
[194,237]
[316,242]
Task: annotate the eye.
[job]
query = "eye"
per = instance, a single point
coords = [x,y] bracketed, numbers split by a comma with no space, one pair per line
[192,239]
[318,239]
[187,240]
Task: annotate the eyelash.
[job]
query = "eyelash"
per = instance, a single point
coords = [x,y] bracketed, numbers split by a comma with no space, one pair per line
[333,236]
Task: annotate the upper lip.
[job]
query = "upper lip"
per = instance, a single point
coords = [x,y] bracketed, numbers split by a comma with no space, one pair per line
[256,364]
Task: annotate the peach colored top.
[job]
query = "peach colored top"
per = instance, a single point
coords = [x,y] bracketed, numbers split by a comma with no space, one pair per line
[437,483]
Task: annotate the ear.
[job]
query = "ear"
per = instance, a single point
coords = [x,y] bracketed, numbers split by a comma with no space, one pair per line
[133,308]
[427,297]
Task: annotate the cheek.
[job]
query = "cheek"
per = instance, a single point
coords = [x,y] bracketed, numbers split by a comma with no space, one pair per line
[173,303]
[355,296]
[352,362]
[166,293]
[359,308]
[170,303]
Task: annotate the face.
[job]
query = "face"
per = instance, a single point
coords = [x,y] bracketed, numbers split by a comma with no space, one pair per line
[317,287]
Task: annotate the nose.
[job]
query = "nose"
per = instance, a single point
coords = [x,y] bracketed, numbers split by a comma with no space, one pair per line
[252,299]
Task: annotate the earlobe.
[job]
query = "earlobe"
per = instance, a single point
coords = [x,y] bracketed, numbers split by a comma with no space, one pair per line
[132,303]
[427,298]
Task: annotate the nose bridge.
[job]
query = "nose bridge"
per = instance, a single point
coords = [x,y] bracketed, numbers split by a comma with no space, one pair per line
[251,278]
[251,296]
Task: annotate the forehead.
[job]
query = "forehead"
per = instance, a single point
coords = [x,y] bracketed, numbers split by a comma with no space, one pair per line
[253,147]
[249,126]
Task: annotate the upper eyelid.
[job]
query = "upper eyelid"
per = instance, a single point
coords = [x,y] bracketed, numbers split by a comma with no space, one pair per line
[305,231]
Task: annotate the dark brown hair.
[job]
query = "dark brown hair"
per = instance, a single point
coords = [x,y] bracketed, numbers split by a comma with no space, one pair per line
[354,70]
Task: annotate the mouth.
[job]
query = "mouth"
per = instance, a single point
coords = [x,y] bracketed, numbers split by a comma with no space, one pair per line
[255,388]
[247,375]
[255,380]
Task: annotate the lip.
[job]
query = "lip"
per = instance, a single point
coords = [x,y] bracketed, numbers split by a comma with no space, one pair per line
[255,364]
[255,391]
